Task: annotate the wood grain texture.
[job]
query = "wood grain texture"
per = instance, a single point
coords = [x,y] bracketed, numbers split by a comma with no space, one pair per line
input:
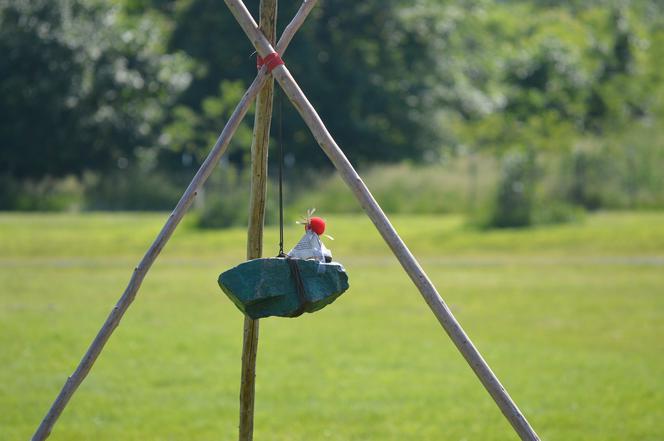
[259,145]
[113,320]
[445,317]
[259,155]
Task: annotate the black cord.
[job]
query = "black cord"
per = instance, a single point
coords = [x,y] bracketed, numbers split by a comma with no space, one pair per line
[281,178]
[294,268]
[299,287]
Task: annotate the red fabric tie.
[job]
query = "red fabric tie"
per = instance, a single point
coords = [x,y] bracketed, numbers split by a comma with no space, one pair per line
[271,60]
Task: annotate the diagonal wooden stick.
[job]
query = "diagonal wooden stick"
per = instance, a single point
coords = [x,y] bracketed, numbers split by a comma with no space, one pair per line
[375,213]
[113,319]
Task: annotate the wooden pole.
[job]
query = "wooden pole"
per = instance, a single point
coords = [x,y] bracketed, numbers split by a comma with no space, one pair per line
[387,231]
[259,151]
[113,319]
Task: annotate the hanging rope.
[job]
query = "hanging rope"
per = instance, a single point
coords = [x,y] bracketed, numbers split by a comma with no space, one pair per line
[281,177]
[299,287]
[294,269]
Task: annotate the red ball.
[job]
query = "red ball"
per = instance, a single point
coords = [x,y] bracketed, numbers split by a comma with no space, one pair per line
[316,224]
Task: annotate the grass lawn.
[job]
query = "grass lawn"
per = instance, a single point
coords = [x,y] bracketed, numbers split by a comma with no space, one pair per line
[571,319]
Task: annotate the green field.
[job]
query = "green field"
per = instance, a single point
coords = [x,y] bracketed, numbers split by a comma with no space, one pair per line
[571,319]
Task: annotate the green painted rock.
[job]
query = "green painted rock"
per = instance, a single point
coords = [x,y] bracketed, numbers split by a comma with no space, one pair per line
[266,287]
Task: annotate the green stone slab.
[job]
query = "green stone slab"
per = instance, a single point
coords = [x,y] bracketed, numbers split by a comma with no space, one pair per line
[264,287]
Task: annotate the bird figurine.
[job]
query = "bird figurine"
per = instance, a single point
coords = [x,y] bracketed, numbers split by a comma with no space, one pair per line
[311,246]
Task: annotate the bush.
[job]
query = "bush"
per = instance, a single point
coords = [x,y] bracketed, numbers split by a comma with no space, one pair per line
[626,172]
[514,202]
[556,212]
[132,189]
[589,172]
[227,210]
[46,194]
[224,202]
[455,186]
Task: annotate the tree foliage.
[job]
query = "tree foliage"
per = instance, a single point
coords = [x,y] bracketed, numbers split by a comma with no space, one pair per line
[93,85]
[83,86]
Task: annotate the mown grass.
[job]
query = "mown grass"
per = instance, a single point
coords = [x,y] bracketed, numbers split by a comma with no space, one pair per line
[569,317]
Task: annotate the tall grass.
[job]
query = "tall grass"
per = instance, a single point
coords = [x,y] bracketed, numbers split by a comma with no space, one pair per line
[457,185]
[517,188]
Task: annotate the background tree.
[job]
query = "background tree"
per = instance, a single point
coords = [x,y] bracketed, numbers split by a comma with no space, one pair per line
[84,86]
[133,88]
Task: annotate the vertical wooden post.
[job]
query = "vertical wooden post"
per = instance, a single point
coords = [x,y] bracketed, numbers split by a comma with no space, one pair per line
[259,150]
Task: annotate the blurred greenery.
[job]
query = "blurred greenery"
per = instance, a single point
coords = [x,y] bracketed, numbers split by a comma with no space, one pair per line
[98,92]
[84,86]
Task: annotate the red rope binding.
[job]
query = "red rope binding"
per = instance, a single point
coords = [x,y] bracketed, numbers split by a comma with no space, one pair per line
[271,60]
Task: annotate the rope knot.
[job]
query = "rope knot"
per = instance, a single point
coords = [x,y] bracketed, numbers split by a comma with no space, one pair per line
[271,61]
